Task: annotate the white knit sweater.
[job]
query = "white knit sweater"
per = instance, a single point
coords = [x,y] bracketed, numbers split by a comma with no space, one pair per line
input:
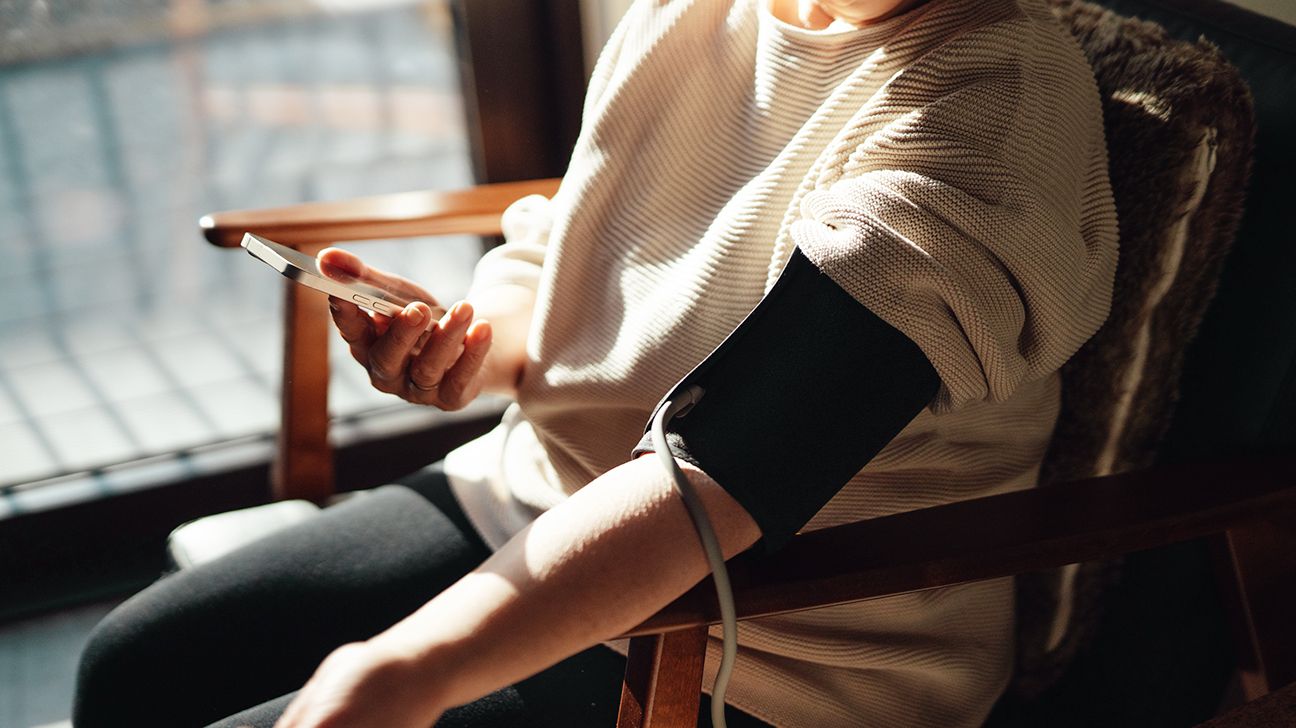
[945,167]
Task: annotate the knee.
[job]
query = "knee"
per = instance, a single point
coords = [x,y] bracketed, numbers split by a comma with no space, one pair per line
[93,674]
[121,663]
[104,672]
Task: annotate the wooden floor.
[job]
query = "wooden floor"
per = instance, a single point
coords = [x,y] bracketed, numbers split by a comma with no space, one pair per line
[38,659]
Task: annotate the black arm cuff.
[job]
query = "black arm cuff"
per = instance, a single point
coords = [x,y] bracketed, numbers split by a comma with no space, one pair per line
[798,399]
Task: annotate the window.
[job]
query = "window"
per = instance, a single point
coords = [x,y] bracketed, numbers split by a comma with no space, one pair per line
[122,335]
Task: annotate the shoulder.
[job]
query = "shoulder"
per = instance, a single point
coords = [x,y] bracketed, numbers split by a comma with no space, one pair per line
[1023,61]
[1027,63]
[1005,96]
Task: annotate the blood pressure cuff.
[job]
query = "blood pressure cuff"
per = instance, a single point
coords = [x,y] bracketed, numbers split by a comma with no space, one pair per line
[797,400]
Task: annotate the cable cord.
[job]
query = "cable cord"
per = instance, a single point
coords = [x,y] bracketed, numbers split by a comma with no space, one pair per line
[702,523]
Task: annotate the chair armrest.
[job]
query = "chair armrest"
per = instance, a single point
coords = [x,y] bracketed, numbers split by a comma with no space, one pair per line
[303,464]
[992,537]
[1276,709]
[470,211]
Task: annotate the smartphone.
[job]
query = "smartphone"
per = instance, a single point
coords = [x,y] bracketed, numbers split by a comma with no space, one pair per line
[302,268]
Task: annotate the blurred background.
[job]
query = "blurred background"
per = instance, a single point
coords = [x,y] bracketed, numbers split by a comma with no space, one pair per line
[134,357]
[122,336]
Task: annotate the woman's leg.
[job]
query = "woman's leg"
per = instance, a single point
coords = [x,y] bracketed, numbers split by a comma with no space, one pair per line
[247,629]
[206,642]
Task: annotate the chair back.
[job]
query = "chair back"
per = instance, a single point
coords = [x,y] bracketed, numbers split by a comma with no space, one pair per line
[1179,133]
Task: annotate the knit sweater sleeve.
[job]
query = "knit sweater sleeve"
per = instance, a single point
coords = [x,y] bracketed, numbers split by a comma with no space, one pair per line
[526,225]
[980,224]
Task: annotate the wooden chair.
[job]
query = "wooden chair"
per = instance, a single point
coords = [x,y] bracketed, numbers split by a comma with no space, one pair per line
[1095,510]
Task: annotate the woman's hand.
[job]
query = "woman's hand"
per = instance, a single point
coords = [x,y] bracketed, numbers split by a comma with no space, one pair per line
[411,354]
[360,685]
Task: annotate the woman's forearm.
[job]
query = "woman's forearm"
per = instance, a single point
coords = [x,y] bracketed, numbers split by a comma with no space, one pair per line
[508,308]
[589,569]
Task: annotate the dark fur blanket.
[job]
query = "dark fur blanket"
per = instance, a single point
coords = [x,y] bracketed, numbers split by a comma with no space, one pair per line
[1179,132]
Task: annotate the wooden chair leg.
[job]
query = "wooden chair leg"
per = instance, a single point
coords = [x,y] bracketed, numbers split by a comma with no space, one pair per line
[303,466]
[663,680]
[1263,556]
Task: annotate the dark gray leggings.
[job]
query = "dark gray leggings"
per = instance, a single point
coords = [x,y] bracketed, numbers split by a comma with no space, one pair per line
[243,632]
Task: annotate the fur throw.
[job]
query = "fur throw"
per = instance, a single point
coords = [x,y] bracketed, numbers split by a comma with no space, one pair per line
[1179,134]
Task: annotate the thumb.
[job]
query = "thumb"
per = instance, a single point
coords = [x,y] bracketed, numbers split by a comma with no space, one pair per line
[340,264]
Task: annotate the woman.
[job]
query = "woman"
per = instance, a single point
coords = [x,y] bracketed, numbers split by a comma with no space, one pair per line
[920,188]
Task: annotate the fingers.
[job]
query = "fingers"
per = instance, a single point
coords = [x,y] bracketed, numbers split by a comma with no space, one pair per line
[462,381]
[355,326]
[443,346]
[352,323]
[439,365]
[342,265]
[389,354]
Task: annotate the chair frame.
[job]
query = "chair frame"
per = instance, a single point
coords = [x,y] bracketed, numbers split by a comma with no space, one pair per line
[1247,507]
